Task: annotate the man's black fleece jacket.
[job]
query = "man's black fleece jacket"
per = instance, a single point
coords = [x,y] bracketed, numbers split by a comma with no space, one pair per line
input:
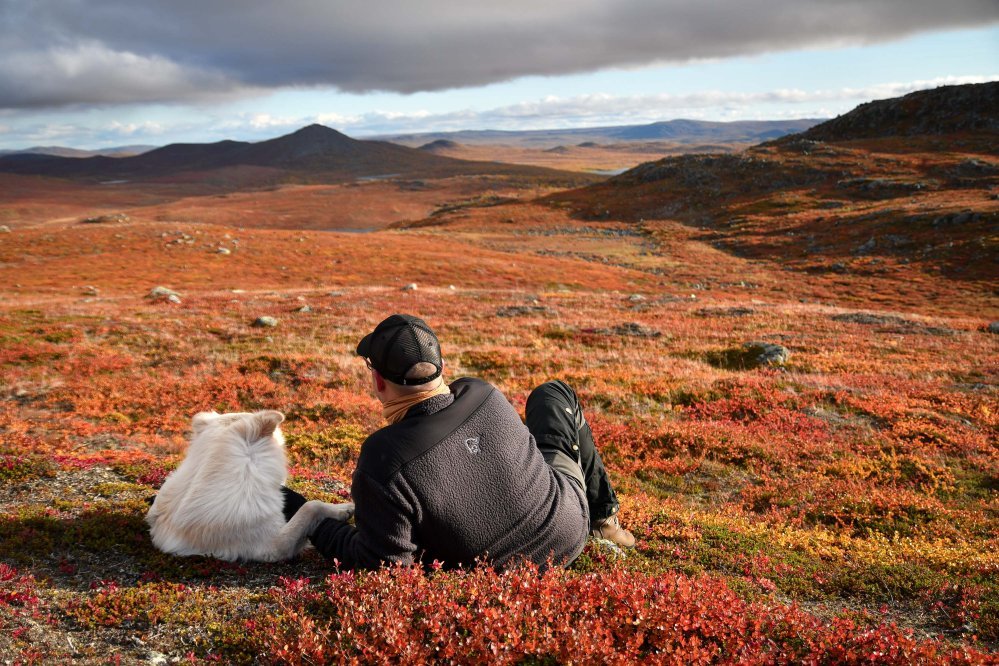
[458,478]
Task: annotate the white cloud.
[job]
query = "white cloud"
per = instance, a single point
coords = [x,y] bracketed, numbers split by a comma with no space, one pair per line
[603,109]
[549,112]
[91,73]
[127,130]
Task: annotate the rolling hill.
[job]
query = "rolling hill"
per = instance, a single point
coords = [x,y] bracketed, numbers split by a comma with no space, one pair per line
[311,154]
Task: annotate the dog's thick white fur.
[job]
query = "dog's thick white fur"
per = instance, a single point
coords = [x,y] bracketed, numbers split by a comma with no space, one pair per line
[225,500]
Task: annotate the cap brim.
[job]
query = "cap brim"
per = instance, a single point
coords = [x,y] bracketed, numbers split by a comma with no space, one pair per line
[364,346]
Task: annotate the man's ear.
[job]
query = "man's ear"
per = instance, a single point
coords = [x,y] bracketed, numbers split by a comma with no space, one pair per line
[379,381]
[268,421]
[202,420]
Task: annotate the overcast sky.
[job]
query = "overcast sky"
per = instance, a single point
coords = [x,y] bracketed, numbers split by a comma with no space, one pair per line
[94,73]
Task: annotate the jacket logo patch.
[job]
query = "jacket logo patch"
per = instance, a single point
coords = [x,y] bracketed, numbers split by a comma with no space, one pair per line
[472,444]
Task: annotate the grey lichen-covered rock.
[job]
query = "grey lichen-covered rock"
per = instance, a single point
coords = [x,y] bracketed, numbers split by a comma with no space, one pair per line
[525,310]
[610,549]
[993,327]
[629,329]
[767,354]
[749,356]
[163,294]
[265,322]
[726,312]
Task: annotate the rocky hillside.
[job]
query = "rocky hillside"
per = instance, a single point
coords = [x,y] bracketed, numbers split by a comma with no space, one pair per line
[944,110]
[841,203]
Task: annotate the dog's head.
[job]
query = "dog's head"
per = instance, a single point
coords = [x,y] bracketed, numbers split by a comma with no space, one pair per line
[253,428]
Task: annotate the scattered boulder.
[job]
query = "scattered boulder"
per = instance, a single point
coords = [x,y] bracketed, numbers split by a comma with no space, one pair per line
[223,251]
[410,287]
[871,319]
[839,267]
[726,312]
[884,187]
[181,239]
[163,294]
[304,308]
[628,329]
[636,298]
[893,323]
[265,322]
[106,219]
[867,247]
[993,327]
[90,290]
[805,146]
[749,356]
[4,229]
[974,167]
[524,310]
[768,353]
[956,219]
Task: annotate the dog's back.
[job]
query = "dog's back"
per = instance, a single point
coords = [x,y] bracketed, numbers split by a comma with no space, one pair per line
[225,497]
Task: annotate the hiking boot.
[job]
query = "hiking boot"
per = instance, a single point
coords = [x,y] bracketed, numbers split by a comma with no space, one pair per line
[610,528]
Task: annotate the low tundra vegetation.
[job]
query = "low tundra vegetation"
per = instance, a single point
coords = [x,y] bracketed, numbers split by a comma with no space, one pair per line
[837,507]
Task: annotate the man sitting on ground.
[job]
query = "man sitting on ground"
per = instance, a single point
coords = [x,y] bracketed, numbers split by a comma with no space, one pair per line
[457,477]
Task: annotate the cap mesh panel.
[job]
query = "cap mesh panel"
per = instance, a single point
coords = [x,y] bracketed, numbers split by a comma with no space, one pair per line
[405,347]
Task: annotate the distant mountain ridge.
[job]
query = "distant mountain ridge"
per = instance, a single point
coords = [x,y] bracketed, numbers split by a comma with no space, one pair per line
[62,151]
[681,131]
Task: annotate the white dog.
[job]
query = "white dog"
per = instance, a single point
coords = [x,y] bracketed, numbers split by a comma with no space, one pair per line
[225,498]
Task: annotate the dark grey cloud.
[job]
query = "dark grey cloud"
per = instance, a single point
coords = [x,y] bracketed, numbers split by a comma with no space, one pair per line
[103,52]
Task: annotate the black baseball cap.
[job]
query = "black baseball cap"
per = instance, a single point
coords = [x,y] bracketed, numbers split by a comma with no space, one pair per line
[397,344]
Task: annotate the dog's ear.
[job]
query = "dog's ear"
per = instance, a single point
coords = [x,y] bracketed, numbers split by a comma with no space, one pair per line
[268,421]
[201,420]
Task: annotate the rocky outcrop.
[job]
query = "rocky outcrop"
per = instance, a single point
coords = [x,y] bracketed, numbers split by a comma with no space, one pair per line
[944,110]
